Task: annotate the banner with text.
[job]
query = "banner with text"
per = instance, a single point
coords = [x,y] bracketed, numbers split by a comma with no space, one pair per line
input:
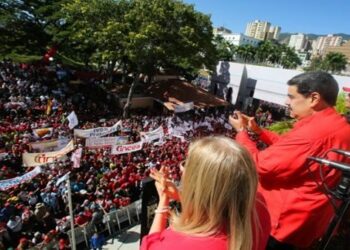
[7,184]
[97,132]
[152,135]
[128,148]
[37,159]
[99,142]
[50,145]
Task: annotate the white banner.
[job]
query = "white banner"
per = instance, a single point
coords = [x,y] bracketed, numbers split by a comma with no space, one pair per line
[50,145]
[3,155]
[15,105]
[128,148]
[97,142]
[184,107]
[152,135]
[37,159]
[43,132]
[180,137]
[73,120]
[7,184]
[62,179]
[97,132]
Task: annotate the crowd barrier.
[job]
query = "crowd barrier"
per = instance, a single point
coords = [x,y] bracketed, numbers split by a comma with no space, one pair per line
[112,223]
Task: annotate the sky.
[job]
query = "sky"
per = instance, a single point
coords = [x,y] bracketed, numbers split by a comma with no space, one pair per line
[293,16]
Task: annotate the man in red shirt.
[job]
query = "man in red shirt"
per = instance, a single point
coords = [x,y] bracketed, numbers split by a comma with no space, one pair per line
[300,211]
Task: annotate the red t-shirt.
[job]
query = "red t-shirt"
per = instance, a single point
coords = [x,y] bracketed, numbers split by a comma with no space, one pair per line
[171,240]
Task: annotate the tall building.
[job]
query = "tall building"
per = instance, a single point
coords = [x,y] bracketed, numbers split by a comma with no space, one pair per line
[298,42]
[323,42]
[274,33]
[258,29]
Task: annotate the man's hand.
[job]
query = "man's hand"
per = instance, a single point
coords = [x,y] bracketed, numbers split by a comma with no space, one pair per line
[238,121]
[252,125]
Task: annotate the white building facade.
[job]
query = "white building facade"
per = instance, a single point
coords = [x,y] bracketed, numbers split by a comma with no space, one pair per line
[274,32]
[240,39]
[298,42]
[323,42]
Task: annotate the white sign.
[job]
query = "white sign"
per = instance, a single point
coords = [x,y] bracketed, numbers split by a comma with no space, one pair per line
[97,132]
[96,142]
[15,105]
[37,159]
[3,155]
[73,120]
[152,135]
[184,107]
[128,148]
[9,183]
[50,145]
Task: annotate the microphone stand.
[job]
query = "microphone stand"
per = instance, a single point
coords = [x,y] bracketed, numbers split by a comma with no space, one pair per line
[342,193]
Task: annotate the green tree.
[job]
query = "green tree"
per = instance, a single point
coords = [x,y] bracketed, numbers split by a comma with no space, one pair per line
[225,50]
[264,51]
[341,104]
[85,26]
[316,64]
[25,25]
[289,59]
[167,34]
[334,62]
[246,52]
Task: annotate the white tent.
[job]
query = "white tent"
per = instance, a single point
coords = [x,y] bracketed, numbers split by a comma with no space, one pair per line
[270,83]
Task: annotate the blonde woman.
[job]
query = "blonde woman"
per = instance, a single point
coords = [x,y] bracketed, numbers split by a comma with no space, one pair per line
[218,199]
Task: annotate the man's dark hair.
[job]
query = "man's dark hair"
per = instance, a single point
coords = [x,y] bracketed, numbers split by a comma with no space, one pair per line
[320,82]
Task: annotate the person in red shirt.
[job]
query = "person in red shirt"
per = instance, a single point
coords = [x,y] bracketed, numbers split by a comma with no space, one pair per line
[300,211]
[218,200]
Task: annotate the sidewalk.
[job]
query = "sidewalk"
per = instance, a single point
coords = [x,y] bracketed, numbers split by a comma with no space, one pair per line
[129,240]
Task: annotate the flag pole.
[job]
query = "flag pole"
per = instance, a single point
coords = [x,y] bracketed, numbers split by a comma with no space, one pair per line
[70,206]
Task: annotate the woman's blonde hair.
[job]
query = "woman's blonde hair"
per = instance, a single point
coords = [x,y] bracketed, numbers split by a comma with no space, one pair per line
[218,191]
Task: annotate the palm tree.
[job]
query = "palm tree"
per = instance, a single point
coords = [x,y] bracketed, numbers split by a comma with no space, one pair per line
[289,58]
[334,62]
[276,54]
[316,64]
[264,51]
[246,52]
